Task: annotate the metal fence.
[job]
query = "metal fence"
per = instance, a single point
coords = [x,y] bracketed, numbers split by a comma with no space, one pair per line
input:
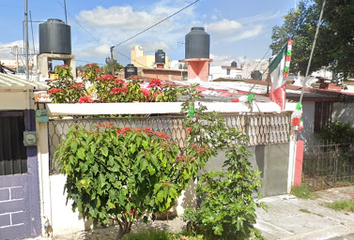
[261,129]
[328,165]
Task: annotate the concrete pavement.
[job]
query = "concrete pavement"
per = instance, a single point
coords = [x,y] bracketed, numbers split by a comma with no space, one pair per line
[287,218]
[290,218]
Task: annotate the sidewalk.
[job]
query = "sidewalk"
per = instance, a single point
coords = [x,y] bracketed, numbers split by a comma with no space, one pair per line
[290,218]
[287,218]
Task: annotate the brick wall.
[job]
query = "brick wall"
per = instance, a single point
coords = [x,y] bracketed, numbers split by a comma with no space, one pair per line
[13,207]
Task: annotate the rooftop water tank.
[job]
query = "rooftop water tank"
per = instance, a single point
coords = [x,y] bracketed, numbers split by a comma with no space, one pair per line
[54,37]
[233,64]
[130,70]
[197,43]
[160,57]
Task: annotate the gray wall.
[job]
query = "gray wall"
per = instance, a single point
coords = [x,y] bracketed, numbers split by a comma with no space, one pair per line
[343,112]
[271,160]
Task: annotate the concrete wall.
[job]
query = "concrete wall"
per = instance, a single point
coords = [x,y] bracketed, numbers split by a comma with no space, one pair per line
[343,112]
[307,133]
[221,72]
[271,160]
[63,218]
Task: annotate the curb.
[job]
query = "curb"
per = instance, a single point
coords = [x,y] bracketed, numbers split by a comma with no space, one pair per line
[327,233]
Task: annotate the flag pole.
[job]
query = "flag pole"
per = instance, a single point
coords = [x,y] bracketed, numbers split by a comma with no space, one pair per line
[312,50]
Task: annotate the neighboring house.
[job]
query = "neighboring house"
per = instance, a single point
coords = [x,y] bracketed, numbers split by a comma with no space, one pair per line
[141,60]
[226,72]
[269,129]
[320,107]
[20,215]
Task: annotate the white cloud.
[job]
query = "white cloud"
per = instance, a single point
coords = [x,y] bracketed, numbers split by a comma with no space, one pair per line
[221,60]
[123,17]
[225,27]
[251,32]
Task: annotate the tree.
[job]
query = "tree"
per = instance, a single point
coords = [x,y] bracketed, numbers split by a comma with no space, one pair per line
[122,174]
[334,47]
[108,67]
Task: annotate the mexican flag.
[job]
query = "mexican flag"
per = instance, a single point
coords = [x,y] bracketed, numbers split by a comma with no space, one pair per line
[279,71]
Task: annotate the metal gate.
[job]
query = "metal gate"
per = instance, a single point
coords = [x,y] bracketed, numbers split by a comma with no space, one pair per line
[19,180]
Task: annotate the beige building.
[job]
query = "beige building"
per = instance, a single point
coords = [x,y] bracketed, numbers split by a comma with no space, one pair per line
[140,60]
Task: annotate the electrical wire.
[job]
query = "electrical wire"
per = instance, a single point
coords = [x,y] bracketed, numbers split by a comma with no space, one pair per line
[147,29]
[93,37]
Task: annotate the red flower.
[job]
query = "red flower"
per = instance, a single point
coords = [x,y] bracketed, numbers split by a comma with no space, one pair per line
[116,90]
[120,82]
[124,130]
[55,90]
[145,92]
[155,83]
[77,86]
[162,135]
[131,212]
[85,100]
[187,130]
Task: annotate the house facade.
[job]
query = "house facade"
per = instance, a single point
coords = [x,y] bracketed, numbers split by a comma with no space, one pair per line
[20,205]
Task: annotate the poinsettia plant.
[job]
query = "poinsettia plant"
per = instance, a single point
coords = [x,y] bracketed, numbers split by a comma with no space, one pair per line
[107,88]
[65,88]
[122,174]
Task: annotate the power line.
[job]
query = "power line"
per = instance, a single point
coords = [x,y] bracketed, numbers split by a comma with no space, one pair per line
[147,29]
[131,59]
[80,24]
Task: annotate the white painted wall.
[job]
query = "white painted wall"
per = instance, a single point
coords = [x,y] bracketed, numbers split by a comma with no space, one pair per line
[220,72]
[63,218]
[307,133]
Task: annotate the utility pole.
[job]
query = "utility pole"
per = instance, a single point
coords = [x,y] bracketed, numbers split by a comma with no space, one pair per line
[26,39]
[112,60]
[66,13]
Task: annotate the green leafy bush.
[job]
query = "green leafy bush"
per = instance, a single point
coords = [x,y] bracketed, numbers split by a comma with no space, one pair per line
[338,132]
[228,207]
[122,174]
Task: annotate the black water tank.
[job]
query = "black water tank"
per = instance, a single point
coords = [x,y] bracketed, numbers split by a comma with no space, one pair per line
[197,43]
[160,56]
[54,37]
[130,70]
[257,75]
[234,64]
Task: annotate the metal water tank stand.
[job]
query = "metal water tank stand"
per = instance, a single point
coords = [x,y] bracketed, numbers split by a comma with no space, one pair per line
[44,58]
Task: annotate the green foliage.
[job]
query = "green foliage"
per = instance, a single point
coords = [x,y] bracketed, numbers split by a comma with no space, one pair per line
[126,174]
[344,205]
[303,192]
[97,87]
[337,132]
[228,208]
[108,67]
[334,46]
[160,235]
[121,174]
[65,89]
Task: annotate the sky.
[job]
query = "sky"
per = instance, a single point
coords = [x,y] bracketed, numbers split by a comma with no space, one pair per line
[239,30]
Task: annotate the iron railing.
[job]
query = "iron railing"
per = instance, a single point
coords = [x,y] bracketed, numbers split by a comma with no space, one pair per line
[328,165]
[260,129]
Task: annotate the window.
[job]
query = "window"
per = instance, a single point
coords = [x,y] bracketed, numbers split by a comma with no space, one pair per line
[323,115]
[228,71]
[13,154]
